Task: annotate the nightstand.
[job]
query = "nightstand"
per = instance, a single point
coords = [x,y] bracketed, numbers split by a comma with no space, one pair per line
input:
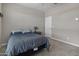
[38,33]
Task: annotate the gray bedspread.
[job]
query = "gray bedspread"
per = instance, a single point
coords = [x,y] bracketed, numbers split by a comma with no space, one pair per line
[20,43]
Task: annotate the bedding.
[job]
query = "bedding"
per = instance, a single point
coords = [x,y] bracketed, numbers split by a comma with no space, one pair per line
[21,31]
[14,32]
[19,43]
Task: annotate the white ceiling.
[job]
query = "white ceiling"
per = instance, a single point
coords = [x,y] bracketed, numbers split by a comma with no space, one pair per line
[41,6]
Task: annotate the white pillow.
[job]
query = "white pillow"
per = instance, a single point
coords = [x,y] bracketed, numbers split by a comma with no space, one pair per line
[24,31]
[13,32]
[21,30]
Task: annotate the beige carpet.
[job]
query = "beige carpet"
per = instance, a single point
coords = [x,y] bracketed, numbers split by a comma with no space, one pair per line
[2,49]
[56,49]
[59,49]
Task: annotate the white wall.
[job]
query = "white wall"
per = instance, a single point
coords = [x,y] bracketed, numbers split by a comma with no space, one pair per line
[0,22]
[65,27]
[16,16]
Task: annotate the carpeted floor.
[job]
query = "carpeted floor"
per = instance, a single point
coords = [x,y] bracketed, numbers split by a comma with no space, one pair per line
[59,49]
[56,49]
[2,49]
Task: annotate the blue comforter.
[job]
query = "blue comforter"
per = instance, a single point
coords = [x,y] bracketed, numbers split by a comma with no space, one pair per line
[20,43]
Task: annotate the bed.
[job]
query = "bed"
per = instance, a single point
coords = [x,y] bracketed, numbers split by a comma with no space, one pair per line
[19,43]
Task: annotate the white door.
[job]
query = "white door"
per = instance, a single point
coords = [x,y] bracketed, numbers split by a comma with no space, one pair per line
[48,26]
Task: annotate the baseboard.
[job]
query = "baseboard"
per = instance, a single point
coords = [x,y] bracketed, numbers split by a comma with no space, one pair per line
[73,44]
